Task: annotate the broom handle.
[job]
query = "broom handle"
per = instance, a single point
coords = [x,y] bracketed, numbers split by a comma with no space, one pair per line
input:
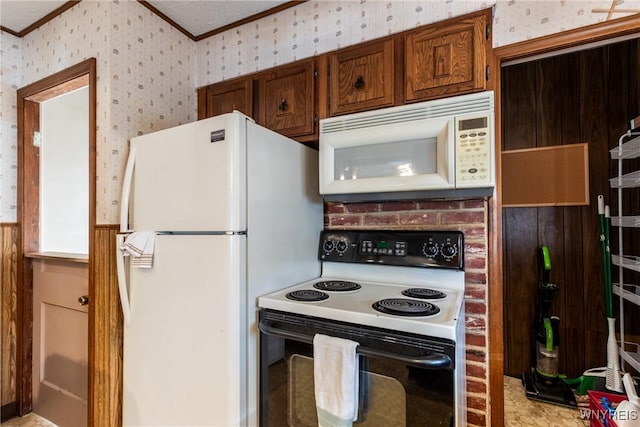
[606,257]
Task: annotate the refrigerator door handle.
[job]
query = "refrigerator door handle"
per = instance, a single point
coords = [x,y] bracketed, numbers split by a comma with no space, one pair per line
[126,189]
[122,280]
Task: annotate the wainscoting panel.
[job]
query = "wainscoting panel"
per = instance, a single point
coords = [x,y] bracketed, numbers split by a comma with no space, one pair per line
[8,325]
[105,330]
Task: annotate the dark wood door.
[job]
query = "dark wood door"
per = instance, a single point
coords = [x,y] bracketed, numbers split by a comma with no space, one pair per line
[448,57]
[362,77]
[286,99]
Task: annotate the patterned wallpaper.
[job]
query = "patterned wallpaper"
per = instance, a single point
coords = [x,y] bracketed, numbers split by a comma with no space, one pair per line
[148,71]
[76,35]
[145,70]
[10,81]
[315,27]
[518,20]
[152,88]
[320,26]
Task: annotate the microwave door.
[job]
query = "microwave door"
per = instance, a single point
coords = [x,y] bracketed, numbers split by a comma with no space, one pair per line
[414,157]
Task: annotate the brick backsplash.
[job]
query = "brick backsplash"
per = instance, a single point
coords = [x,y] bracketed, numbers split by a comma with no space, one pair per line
[468,216]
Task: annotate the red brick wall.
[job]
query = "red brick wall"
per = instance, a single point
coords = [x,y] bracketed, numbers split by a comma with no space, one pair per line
[468,216]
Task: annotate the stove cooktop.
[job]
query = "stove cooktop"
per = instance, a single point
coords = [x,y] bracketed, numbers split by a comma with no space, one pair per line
[368,277]
[357,307]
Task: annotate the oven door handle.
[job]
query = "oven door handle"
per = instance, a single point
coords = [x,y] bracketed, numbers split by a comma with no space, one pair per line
[430,361]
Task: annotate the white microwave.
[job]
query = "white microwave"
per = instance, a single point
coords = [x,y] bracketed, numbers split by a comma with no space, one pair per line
[438,148]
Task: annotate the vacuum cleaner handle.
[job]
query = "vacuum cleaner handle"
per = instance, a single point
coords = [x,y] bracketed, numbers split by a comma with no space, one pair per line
[545,263]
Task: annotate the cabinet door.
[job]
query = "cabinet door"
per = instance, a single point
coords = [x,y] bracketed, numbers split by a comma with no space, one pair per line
[447,58]
[287,98]
[362,77]
[225,97]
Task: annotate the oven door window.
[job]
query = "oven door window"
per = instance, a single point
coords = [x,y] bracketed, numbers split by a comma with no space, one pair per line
[391,393]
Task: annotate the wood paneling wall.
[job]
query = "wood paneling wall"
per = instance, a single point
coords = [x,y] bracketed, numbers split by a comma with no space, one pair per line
[106,329]
[586,96]
[8,327]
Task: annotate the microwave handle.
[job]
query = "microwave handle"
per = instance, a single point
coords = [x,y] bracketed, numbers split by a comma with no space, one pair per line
[430,361]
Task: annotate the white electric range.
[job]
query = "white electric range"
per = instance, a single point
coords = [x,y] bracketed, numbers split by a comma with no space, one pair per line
[400,294]
[433,312]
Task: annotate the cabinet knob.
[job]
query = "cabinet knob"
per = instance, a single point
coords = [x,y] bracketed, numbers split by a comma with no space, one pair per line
[283,105]
[359,83]
[83,300]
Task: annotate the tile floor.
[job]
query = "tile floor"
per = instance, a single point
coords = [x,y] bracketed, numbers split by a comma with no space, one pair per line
[522,412]
[518,412]
[29,420]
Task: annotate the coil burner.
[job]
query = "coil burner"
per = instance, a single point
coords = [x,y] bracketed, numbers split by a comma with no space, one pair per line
[424,293]
[336,286]
[307,295]
[405,307]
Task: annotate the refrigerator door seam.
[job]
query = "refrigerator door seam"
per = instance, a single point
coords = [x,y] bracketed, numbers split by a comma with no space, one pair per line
[195,233]
[203,233]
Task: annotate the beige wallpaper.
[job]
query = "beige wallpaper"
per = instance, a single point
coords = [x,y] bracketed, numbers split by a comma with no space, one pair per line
[152,88]
[10,81]
[148,71]
[321,26]
[145,70]
[315,27]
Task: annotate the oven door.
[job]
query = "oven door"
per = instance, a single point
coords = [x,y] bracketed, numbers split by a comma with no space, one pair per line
[405,380]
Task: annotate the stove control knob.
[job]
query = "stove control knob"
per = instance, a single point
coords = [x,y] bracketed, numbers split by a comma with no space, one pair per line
[448,251]
[430,250]
[328,246]
[341,246]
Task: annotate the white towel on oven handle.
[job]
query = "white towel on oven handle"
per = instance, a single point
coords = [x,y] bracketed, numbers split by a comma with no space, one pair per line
[335,376]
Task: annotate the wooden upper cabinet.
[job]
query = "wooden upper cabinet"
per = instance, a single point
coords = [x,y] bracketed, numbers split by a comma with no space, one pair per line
[437,60]
[286,99]
[231,95]
[448,58]
[362,77]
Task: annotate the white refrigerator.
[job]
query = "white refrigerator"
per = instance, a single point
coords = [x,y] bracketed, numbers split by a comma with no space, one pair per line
[236,214]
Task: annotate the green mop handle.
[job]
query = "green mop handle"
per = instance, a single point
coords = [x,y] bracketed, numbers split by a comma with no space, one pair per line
[606,257]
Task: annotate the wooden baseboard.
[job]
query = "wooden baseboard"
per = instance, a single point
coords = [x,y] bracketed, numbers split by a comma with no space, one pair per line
[8,411]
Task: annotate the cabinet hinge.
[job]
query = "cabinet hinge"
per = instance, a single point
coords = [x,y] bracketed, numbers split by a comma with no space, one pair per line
[487,31]
[315,74]
[315,118]
[487,72]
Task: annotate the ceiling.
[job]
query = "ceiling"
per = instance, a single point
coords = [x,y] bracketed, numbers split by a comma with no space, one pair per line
[194,18]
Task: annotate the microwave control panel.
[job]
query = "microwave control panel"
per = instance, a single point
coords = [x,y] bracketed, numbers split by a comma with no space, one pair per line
[473,152]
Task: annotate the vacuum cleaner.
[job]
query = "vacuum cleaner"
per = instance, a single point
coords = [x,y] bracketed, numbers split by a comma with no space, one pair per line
[543,382]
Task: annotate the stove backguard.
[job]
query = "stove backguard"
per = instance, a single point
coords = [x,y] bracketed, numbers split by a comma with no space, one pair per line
[434,249]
